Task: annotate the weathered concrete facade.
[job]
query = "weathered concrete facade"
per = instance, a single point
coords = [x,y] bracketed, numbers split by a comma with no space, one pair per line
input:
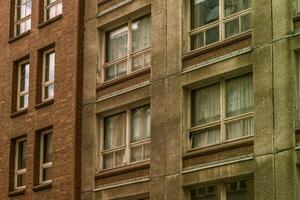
[269,158]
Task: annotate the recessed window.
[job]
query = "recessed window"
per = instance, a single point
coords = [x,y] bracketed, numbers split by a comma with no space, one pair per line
[22,16]
[48,75]
[213,21]
[20,164]
[126,137]
[46,156]
[23,85]
[127,48]
[222,112]
[53,8]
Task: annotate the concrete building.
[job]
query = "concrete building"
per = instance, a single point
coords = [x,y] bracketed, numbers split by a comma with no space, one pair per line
[215,102]
[40,99]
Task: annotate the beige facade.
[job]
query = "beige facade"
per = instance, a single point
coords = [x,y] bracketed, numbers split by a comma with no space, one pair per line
[267,159]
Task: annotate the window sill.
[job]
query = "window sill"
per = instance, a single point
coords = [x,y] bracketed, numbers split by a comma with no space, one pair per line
[122,170]
[219,147]
[44,103]
[18,113]
[216,46]
[123,78]
[17,192]
[42,186]
[18,36]
[49,21]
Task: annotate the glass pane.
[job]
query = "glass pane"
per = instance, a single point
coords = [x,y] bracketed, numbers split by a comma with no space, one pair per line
[47,148]
[147,59]
[47,173]
[24,79]
[205,105]
[121,68]
[197,41]
[140,123]
[119,158]
[240,190]
[232,28]
[50,66]
[147,151]
[23,101]
[49,92]
[136,153]
[108,161]
[138,62]
[212,35]
[141,34]
[204,12]
[239,128]
[21,155]
[114,131]
[21,180]
[239,96]
[205,193]
[116,43]
[234,6]
[110,72]
[206,137]
[246,23]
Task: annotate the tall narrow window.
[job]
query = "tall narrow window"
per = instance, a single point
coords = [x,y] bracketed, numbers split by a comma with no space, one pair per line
[23,85]
[222,112]
[20,164]
[48,75]
[123,145]
[23,16]
[127,48]
[45,156]
[53,8]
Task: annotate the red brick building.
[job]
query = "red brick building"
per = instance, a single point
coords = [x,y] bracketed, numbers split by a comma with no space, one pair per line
[40,86]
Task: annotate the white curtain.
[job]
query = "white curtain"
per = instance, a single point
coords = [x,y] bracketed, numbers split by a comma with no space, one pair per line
[117,43]
[115,131]
[140,123]
[234,6]
[141,31]
[239,128]
[206,137]
[232,28]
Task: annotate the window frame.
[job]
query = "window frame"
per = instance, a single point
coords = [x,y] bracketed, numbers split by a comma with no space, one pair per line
[20,171]
[48,83]
[223,120]
[44,165]
[47,7]
[19,92]
[129,55]
[128,144]
[221,22]
[17,21]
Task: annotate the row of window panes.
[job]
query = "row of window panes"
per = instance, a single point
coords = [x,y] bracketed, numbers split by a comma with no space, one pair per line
[48,80]
[45,160]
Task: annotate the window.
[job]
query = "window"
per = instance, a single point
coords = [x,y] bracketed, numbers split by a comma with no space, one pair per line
[53,8]
[297,92]
[126,137]
[48,75]
[242,189]
[296,7]
[45,156]
[20,164]
[222,112]
[127,48]
[213,21]
[23,85]
[22,16]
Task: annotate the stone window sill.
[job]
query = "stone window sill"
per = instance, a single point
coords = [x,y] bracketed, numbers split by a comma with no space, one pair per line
[42,186]
[18,36]
[50,21]
[44,104]
[18,113]
[15,193]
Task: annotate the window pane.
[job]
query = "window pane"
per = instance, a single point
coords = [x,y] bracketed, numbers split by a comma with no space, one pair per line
[141,34]
[197,41]
[119,158]
[47,148]
[147,59]
[114,133]
[206,193]
[108,161]
[246,23]
[47,174]
[50,66]
[21,155]
[240,190]
[121,68]
[110,73]
[212,35]
[23,101]
[206,137]
[234,6]
[49,92]
[116,43]
[205,105]
[136,153]
[21,180]
[239,96]
[239,128]
[147,151]
[24,79]
[232,28]
[140,123]
[204,12]
[138,62]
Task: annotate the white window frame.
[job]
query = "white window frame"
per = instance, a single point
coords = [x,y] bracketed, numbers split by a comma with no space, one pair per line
[49,6]
[130,55]
[48,83]
[19,92]
[20,171]
[44,165]
[128,144]
[19,21]
[221,23]
[223,119]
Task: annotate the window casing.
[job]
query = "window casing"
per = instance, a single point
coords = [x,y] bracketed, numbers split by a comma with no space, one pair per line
[221,112]
[46,154]
[127,48]
[53,8]
[23,85]
[22,16]
[213,21]
[20,164]
[126,138]
[48,75]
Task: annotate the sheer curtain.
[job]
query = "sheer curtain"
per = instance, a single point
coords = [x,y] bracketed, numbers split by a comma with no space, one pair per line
[115,132]
[140,123]
[117,43]
[206,137]
[141,31]
[204,12]
[234,6]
